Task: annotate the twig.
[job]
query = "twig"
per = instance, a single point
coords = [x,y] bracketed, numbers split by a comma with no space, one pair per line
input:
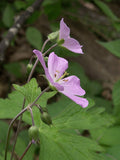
[16,26]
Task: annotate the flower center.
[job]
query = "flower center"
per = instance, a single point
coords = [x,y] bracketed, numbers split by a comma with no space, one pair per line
[65,74]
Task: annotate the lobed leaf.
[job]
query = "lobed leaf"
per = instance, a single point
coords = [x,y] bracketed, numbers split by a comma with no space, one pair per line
[58,145]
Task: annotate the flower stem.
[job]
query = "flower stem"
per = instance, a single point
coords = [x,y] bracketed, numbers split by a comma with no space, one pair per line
[17,130]
[36,62]
[19,114]
[29,77]
[44,45]
[32,116]
[29,145]
[44,54]
[10,126]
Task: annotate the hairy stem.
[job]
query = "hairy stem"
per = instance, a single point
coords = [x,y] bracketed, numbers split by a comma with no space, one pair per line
[29,145]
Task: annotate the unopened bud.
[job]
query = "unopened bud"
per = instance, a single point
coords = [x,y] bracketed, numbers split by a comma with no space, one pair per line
[53,35]
[29,68]
[45,117]
[44,109]
[33,133]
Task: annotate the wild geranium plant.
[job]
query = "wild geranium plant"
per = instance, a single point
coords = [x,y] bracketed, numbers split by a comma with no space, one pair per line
[54,135]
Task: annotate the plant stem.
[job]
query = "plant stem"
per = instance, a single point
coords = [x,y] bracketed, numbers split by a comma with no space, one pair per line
[30,75]
[44,54]
[10,126]
[32,116]
[36,62]
[29,145]
[17,130]
[43,47]
[19,114]
[46,89]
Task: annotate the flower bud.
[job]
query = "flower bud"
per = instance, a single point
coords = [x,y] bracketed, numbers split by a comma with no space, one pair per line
[44,109]
[33,133]
[45,117]
[29,67]
[53,35]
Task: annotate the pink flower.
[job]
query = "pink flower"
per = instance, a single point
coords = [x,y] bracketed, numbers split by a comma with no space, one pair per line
[69,86]
[69,43]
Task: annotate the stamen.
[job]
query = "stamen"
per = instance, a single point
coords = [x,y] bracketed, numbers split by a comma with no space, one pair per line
[57,71]
[55,75]
[65,74]
[65,80]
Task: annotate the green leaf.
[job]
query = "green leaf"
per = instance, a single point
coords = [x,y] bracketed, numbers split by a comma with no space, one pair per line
[116,94]
[2,156]
[107,136]
[116,101]
[76,69]
[100,102]
[59,145]
[3,134]
[35,15]
[114,152]
[12,105]
[8,16]
[71,116]
[106,10]
[31,92]
[56,108]
[52,7]
[93,88]
[22,142]
[20,5]
[34,37]
[113,47]
[14,68]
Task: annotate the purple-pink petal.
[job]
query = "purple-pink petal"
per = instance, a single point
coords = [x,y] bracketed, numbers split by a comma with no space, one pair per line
[56,66]
[41,59]
[73,90]
[72,86]
[83,102]
[72,45]
[64,30]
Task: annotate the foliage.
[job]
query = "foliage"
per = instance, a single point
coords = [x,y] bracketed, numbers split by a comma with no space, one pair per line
[106,10]
[34,37]
[112,46]
[65,138]
[8,16]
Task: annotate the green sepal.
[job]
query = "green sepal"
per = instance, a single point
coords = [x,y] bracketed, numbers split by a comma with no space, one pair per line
[60,42]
